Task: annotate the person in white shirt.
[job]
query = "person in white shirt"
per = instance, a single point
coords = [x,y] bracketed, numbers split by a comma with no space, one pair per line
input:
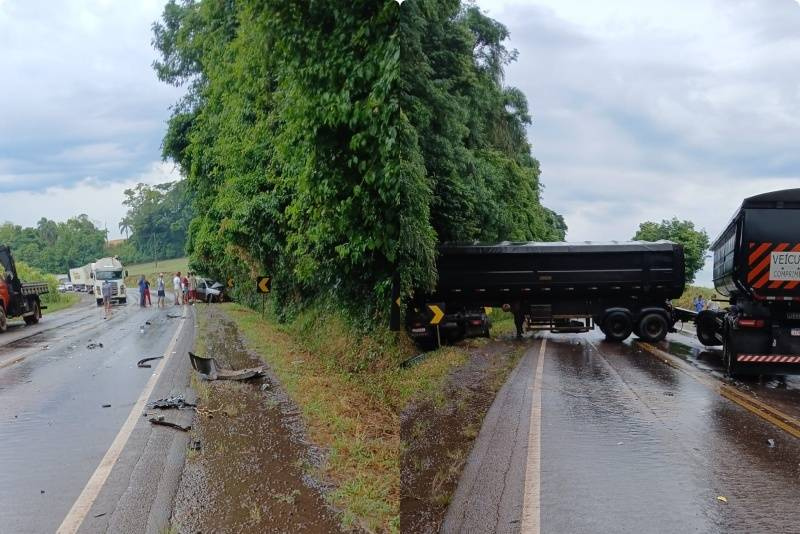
[176,284]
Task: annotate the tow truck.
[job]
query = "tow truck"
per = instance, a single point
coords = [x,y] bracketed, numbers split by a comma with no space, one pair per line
[18,299]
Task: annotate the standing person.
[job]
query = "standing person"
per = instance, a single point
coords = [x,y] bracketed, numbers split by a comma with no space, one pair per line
[162,290]
[176,285]
[106,290]
[147,292]
[142,286]
[185,288]
[192,287]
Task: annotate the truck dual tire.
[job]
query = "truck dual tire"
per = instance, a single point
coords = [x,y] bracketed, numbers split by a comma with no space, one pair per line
[617,326]
[653,327]
[33,319]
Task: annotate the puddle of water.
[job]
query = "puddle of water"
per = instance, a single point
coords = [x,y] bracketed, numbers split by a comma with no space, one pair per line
[252,473]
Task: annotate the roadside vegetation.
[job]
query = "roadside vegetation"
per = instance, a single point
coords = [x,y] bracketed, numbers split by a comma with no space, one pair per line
[695,242]
[53,299]
[151,269]
[350,388]
[691,292]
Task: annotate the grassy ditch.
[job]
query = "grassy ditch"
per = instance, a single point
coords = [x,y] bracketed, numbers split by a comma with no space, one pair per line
[350,390]
[66,300]
[439,427]
[150,271]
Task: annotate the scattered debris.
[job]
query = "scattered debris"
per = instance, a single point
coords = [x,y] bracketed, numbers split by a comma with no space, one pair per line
[106,406]
[195,445]
[45,347]
[209,369]
[173,402]
[41,492]
[619,443]
[160,421]
[100,515]
[141,363]
[170,316]
[94,346]
[770,443]
[669,394]
[148,323]
[722,499]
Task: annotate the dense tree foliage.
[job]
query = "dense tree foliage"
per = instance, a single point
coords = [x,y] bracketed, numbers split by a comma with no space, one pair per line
[55,247]
[157,222]
[695,242]
[333,145]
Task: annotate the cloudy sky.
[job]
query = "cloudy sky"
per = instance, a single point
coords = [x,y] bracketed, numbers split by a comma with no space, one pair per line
[649,110]
[81,111]
[642,110]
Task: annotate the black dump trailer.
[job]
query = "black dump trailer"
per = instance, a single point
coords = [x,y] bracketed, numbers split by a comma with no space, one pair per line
[757,267]
[622,287]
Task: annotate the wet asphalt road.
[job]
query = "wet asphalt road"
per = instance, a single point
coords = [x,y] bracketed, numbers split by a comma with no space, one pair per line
[54,429]
[628,443]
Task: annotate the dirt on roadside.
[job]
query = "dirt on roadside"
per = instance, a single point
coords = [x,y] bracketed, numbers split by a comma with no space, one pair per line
[249,467]
[438,434]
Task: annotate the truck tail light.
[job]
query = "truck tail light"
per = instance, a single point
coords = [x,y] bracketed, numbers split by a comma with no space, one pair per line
[751,323]
[475,322]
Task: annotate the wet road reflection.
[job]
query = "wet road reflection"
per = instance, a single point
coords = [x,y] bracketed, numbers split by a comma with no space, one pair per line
[638,446]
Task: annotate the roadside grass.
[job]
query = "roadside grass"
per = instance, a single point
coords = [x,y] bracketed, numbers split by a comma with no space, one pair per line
[350,390]
[685,300]
[67,300]
[151,269]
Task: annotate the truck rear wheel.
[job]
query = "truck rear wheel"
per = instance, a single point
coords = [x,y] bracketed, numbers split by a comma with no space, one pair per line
[653,327]
[617,326]
[33,319]
[3,320]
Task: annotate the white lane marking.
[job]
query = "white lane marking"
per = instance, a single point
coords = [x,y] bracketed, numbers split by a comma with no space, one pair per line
[531,500]
[77,513]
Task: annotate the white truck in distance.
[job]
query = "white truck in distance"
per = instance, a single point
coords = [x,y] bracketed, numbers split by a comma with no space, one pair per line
[109,269]
[81,277]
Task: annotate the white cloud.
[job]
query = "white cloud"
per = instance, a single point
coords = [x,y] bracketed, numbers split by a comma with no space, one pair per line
[101,201]
[647,111]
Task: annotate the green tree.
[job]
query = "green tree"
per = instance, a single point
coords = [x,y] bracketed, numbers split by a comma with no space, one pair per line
[334,145]
[695,242]
[158,219]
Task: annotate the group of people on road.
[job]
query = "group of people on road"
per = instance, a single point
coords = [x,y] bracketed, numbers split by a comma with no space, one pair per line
[701,304]
[185,288]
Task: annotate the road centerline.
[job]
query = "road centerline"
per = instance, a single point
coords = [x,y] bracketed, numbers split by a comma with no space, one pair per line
[531,499]
[85,500]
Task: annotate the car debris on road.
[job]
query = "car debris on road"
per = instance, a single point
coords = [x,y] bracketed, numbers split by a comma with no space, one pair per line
[173,402]
[142,362]
[160,421]
[209,369]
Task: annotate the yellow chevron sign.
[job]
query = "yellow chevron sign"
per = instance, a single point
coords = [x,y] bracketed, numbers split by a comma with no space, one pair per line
[437,313]
[263,284]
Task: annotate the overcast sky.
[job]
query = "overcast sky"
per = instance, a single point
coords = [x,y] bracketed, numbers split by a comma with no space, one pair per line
[642,110]
[649,110]
[81,111]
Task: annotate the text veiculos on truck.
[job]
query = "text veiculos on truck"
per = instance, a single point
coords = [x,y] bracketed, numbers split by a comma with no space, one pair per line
[18,299]
[621,287]
[757,266]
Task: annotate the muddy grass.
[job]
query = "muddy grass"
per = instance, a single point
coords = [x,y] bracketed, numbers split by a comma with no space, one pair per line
[254,470]
[437,434]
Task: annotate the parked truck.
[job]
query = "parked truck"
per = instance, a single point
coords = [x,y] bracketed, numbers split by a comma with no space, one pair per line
[81,277]
[757,267]
[109,270]
[620,287]
[17,298]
